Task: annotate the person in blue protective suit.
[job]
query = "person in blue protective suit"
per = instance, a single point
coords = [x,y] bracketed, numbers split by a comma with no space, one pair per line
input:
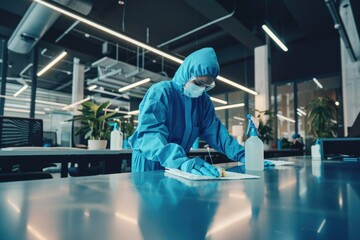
[297,142]
[174,113]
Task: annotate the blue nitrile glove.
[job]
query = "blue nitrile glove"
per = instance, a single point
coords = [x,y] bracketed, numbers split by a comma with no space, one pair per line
[199,167]
[268,163]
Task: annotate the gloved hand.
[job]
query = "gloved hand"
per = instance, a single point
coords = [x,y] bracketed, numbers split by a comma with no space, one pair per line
[199,167]
[267,163]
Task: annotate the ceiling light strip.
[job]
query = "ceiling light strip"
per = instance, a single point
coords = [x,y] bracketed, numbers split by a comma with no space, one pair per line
[317,83]
[21,90]
[239,118]
[76,103]
[22,110]
[301,111]
[227,81]
[133,41]
[37,101]
[136,112]
[218,100]
[275,38]
[123,89]
[92,87]
[285,118]
[230,106]
[52,63]
[116,111]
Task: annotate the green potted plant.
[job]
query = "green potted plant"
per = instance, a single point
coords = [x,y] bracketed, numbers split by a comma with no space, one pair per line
[265,128]
[320,113]
[93,124]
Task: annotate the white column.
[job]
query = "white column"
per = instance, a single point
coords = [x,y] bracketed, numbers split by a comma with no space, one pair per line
[77,92]
[350,73]
[262,78]
[77,82]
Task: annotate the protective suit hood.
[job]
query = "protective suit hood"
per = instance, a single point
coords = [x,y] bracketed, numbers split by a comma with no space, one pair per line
[202,62]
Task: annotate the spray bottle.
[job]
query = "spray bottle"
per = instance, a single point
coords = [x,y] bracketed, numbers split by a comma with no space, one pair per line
[254,147]
[116,138]
[315,150]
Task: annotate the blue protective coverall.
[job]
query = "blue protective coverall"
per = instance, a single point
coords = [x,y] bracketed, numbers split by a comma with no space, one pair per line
[169,121]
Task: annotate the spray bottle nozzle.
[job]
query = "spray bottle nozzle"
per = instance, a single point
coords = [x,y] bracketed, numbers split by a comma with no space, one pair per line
[253,124]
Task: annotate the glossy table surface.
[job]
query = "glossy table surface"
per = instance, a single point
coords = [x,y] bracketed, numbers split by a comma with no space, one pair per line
[311,200]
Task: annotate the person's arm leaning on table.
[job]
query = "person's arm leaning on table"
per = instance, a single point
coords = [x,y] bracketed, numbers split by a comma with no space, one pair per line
[174,113]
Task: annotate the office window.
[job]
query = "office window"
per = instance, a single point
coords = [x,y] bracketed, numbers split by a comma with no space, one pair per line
[308,90]
[234,116]
[285,111]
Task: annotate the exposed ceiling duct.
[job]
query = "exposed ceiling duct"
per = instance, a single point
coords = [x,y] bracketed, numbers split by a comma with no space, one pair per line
[37,20]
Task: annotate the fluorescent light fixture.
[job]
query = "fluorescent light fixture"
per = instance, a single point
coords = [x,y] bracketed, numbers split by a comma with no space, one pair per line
[109,31]
[133,41]
[101,90]
[301,111]
[227,81]
[92,87]
[76,103]
[116,110]
[134,85]
[239,118]
[21,90]
[317,83]
[52,63]
[218,100]
[37,101]
[285,118]
[127,116]
[136,112]
[22,110]
[275,38]
[230,106]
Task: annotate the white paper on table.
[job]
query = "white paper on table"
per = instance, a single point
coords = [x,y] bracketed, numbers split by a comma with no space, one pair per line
[280,163]
[228,175]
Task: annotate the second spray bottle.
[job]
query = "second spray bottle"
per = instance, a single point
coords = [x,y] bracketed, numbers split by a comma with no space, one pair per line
[116,138]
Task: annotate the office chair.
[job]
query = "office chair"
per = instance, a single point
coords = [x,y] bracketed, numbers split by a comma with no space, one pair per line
[22,132]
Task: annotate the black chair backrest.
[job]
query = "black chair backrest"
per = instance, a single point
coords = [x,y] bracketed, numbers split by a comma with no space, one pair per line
[20,132]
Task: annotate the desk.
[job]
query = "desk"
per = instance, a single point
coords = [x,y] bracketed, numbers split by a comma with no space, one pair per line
[65,155]
[311,200]
[38,155]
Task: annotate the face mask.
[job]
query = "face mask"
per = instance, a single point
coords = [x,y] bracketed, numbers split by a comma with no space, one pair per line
[193,91]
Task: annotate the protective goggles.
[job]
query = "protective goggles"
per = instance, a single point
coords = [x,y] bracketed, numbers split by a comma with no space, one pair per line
[207,82]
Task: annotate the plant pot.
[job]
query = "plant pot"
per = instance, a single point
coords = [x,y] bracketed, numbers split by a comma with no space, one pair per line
[97,144]
[267,146]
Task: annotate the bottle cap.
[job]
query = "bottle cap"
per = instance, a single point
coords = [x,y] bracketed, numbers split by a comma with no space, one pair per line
[251,126]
